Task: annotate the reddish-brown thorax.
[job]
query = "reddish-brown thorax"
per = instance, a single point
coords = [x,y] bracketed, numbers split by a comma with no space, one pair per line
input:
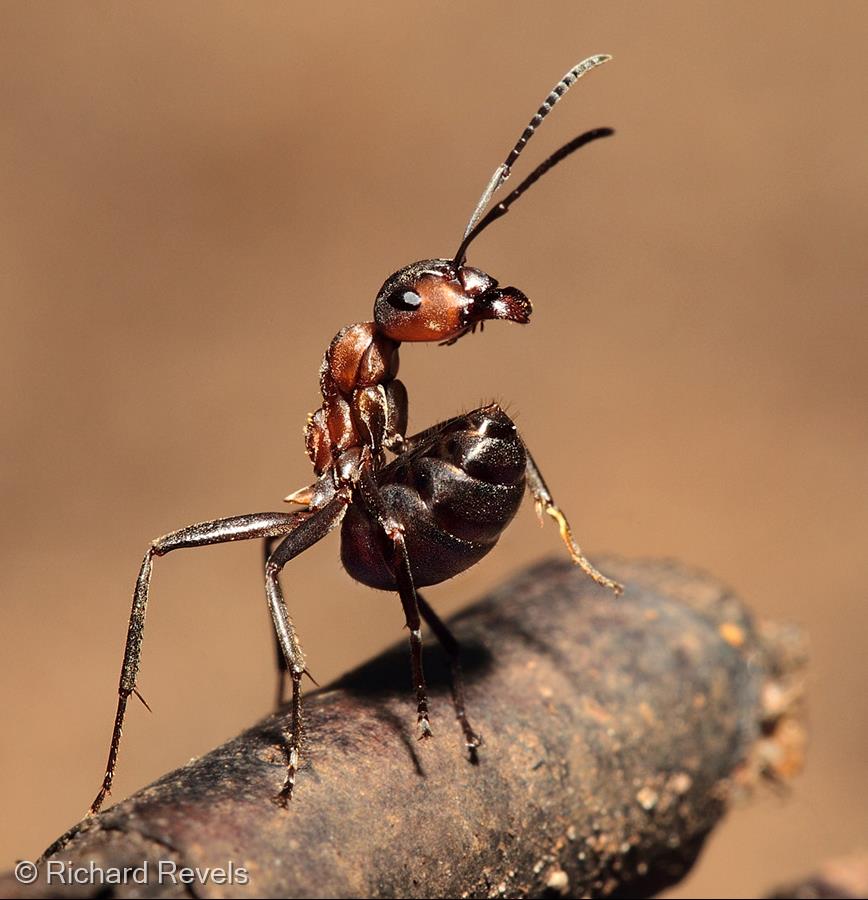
[356,373]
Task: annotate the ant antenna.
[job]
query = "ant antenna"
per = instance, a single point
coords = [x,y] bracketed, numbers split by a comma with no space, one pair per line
[502,208]
[502,172]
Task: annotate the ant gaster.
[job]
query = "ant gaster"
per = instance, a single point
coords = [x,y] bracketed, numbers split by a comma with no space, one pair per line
[436,509]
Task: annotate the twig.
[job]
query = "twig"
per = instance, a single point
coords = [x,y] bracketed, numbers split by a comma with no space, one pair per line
[615,732]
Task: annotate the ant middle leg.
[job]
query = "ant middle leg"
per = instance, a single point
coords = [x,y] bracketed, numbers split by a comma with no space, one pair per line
[394,534]
[410,602]
[544,502]
[235,528]
[450,644]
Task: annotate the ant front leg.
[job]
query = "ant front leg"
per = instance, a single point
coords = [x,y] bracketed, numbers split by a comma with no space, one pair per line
[236,528]
[544,502]
[312,529]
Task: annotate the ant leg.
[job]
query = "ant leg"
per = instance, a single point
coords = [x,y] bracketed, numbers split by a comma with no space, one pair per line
[373,500]
[453,650]
[282,669]
[236,528]
[312,529]
[543,501]
[410,602]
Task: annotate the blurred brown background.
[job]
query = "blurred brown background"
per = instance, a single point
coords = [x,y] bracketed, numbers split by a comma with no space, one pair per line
[196,196]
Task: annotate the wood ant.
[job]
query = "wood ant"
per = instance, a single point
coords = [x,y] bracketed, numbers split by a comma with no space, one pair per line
[431,512]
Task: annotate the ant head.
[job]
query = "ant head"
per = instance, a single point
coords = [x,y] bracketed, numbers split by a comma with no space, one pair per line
[443,299]
[438,300]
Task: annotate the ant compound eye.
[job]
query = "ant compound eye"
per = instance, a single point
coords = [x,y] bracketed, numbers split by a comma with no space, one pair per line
[405,300]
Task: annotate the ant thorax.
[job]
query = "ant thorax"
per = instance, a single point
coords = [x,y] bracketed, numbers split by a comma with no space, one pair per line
[363,405]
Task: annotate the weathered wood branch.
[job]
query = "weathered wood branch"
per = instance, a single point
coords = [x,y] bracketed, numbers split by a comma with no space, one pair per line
[616,731]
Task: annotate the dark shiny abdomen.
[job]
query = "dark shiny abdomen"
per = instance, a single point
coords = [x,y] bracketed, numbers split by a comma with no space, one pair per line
[454,494]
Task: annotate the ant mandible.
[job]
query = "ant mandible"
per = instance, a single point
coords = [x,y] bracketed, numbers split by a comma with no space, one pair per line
[436,509]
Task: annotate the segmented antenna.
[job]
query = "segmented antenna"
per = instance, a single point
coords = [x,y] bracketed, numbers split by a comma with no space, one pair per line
[502,208]
[501,173]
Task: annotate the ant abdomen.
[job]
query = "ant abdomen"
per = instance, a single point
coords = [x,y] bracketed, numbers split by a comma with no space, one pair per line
[453,494]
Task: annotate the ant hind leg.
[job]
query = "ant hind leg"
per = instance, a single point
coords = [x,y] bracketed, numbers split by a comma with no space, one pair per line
[235,528]
[311,529]
[280,696]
